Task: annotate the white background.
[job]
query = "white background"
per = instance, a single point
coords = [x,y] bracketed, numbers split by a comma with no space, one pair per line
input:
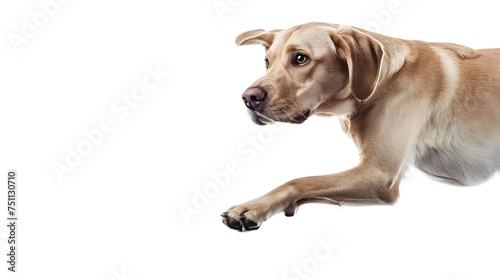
[117,214]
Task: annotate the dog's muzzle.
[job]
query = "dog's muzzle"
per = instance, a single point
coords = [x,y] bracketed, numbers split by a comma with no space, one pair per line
[255,99]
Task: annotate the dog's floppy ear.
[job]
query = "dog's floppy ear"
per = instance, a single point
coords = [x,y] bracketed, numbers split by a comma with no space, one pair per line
[363,55]
[259,36]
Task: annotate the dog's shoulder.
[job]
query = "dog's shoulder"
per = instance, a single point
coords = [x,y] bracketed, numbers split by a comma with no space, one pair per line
[459,50]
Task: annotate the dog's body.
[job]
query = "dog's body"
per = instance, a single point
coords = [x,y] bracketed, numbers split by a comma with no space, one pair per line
[432,105]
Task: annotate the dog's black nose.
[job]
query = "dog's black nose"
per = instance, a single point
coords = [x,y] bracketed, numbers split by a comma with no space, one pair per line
[254,97]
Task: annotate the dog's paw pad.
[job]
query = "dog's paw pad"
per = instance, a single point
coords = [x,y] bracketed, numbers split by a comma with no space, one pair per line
[289,214]
[250,225]
[241,224]
[231,223]
[290,210]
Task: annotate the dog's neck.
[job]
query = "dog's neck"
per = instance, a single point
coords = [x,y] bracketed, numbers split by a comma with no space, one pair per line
[395,55]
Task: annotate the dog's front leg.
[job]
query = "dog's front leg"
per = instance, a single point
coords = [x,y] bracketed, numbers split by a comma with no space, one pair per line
[385,142]
[364,183]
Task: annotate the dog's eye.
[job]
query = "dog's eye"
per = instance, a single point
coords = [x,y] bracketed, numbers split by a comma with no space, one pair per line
[300,59]
[267,63]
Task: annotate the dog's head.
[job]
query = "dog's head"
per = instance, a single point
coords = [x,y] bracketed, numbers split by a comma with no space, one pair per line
[314,68]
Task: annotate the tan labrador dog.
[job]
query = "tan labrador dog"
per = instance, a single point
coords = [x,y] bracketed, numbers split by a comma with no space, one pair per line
[432,105]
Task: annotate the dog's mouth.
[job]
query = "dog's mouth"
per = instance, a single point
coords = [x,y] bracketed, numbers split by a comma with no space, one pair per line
[261,119]
[301,118]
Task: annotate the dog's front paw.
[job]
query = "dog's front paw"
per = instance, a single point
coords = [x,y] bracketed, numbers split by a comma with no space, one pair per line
[244,217]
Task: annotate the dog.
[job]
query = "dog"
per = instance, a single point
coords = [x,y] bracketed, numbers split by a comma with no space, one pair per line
[435,106]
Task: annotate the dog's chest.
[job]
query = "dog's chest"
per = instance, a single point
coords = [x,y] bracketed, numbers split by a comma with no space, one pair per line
[448,151]
[455,166]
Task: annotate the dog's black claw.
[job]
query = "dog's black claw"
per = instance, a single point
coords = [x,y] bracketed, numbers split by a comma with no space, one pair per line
[289,214]
[250,225]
